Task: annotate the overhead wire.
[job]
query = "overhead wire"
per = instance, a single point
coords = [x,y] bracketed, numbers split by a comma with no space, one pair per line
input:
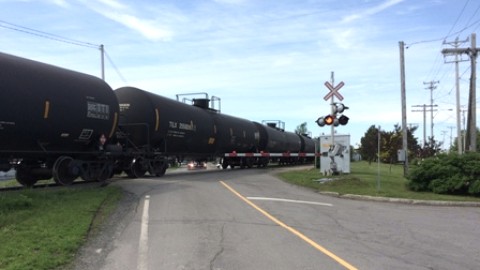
[437,65]
[473,15]
[458,17]
[115,67]
[46,35]
[58,38]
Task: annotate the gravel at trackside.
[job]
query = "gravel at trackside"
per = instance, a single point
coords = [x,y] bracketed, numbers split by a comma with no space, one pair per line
[92,254]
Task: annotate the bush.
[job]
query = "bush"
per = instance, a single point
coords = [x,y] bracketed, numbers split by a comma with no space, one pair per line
[447,174]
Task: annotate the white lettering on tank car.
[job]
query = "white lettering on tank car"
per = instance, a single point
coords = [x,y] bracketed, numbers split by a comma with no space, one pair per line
[176,134]
[172,124]
[124,106]
[184,126]
[5,123]
[98,110]
[188,126]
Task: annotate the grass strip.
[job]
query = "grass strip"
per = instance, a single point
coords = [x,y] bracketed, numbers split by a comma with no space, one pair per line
[382,180]
[43,228]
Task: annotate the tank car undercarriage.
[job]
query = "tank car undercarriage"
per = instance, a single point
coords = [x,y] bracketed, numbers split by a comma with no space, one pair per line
[63,168]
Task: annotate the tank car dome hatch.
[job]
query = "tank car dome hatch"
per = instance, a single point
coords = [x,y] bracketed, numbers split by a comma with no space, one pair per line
[276,124]
[212,104]
[201,103]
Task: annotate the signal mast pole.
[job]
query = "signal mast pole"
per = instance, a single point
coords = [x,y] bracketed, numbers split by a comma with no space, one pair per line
[332,110]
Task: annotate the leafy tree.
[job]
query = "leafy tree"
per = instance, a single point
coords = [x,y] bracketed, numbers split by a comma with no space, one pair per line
[369,144]
[397,143]
[454,147]
[390,143]
[430,149]
[302,129]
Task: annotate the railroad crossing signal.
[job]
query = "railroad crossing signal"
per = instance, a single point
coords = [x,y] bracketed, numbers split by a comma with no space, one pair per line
[335,118]
[343,120]
[338,107]
[325,120]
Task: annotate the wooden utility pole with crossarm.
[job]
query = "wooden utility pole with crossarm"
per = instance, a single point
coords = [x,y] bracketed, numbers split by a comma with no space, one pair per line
[472,52]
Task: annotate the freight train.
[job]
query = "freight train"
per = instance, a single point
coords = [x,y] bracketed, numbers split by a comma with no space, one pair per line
[61,124]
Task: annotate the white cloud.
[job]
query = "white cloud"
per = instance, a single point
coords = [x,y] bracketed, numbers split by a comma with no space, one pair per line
[149,29]
[61,3]
[371,11]
[113,4]
[236,2]
[123,14]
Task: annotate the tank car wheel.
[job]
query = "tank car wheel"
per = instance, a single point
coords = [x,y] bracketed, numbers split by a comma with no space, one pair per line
[88,176]
[224,164]
[24,177]
[249,163]
[105,173]
[158,167]
[160,170]
[136,169]
[62,173]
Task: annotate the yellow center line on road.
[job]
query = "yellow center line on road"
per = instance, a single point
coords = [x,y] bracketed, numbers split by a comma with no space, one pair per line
[292,230]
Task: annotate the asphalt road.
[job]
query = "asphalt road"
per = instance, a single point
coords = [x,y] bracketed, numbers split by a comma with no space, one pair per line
[248,219]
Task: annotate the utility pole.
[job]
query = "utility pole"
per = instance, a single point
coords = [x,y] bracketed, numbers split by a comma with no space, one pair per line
[431,87]
[456,44]
[444,132]
[472,52]
[451,136]
[425,119]
[464,137]
[401,46]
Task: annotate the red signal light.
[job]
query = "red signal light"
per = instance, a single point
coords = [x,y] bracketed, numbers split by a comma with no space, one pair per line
[329,119]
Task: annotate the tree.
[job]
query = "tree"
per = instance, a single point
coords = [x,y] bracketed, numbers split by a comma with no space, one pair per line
[390,143]
[432,148]
[454,147]
[302,129]
[369,144]
[396,143]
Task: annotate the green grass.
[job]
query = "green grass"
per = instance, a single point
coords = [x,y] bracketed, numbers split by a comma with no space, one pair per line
[43,228]
[367,179]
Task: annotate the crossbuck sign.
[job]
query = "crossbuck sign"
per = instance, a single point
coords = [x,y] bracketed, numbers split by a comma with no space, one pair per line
[334,91]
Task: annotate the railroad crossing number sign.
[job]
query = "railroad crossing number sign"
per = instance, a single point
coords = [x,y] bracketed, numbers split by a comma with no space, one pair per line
[334,90]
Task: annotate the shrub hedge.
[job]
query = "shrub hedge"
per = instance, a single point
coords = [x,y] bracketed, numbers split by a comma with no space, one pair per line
[447,174]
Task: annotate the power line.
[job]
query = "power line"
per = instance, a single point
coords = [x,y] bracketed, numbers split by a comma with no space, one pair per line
[115,67]
[46,35]
[59,38]
[473,15]
[443,38]
[458,17]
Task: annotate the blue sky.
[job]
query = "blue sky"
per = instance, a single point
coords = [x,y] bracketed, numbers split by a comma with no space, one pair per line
[265,59]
